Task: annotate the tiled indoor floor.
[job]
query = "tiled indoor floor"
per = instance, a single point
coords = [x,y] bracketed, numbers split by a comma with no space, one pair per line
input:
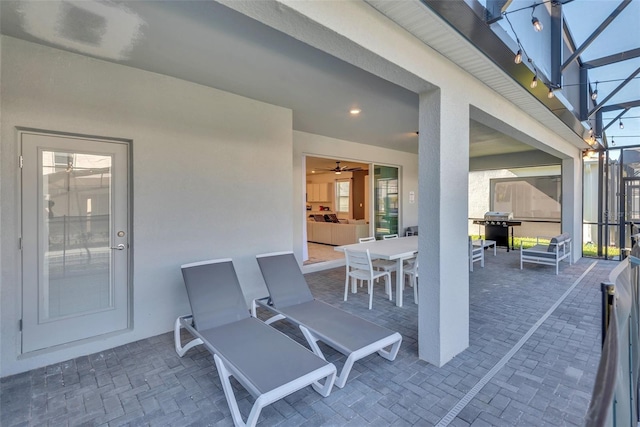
[533,351]
[322,253]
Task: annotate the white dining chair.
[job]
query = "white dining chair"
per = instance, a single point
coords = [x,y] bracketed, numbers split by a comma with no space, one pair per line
[391,265]
[411,271]
[411,231]
[476,253]
[359,267]
[380,264]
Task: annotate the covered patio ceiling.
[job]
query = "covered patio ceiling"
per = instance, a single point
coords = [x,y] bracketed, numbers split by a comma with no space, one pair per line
[210,44]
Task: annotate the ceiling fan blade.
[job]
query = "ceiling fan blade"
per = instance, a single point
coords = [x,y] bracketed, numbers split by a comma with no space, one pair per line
[339,168]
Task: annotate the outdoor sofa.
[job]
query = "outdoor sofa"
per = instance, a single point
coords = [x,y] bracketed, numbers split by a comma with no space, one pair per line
[337,233]
[559,248]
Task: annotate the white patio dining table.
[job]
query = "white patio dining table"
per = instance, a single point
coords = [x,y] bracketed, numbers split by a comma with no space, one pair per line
[396,250]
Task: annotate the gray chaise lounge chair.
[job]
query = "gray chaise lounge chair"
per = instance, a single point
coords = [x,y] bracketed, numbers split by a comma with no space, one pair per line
[267,363]
[291,298]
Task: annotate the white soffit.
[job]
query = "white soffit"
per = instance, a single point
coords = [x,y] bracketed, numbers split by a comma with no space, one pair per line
[423,23]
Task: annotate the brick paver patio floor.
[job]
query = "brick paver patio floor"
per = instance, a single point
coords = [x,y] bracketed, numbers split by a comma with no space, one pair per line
[529,363]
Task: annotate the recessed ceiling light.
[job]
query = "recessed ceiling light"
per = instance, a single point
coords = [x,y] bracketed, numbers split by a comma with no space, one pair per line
[355,111]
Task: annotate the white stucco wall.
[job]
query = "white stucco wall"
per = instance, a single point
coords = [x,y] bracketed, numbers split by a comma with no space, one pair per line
[198,191]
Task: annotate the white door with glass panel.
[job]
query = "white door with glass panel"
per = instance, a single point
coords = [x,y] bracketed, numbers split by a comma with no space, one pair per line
[75,238]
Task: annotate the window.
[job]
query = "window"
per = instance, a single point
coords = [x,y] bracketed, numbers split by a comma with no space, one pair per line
[343,196]
[527,197]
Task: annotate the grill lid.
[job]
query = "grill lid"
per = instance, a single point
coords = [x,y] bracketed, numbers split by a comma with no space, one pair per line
[498,216]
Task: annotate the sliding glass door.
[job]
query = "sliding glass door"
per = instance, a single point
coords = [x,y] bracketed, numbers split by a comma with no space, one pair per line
[386,201]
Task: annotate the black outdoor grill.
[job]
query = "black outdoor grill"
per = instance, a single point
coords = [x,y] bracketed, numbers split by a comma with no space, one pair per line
[497,226]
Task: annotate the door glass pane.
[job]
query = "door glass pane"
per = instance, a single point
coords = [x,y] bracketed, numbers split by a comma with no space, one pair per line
[386,200]
[75,252]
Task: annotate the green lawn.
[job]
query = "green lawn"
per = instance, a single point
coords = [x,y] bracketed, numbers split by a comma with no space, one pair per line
[588,250]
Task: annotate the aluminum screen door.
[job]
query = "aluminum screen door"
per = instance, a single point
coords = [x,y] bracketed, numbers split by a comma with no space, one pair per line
[631,210]
[75,239]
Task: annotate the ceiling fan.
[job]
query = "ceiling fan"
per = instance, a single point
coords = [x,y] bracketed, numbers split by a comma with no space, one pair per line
[339,169]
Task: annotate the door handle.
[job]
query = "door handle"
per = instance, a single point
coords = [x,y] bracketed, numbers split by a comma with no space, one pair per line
[120,247]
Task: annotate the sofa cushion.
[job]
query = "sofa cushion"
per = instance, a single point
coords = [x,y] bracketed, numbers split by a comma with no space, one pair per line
[335,234]
[540,254]
[537,248]
[331,218]
[557,239]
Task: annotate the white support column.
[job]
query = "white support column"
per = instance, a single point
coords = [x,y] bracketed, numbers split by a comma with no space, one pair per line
[572,202]
[443,313]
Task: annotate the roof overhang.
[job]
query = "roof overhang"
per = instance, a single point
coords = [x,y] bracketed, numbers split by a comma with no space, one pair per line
[487,58]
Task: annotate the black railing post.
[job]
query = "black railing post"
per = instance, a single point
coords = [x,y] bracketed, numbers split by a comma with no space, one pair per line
[608,294]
